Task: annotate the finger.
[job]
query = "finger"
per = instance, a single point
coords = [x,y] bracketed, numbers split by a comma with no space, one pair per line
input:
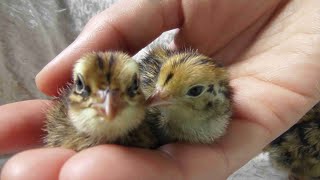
[243,141]
[210,25]
[277,70]
[128,26]
[237,46]
[290,27]
[21,125]
[174,161]
[36,164]
[118,162]
[259,120]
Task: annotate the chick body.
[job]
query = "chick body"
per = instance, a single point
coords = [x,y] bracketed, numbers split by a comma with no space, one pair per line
[297,151]
[194,93]
[104,105]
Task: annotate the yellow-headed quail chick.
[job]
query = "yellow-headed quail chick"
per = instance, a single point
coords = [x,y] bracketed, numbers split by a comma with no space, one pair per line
[297,151]
[105,104]
[189,93]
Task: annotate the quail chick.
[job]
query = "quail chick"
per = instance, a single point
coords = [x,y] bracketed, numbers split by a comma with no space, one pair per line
[189,94]
[297,151]
[105,104]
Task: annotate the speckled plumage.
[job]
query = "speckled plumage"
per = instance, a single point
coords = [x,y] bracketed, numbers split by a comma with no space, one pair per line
[200,119]
[61,132]
[73,121]
[297,151]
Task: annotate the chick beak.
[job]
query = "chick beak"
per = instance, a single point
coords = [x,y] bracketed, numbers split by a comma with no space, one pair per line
[159,98]
[112,103]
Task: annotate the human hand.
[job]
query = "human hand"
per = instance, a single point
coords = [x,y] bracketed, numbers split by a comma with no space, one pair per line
[275,80]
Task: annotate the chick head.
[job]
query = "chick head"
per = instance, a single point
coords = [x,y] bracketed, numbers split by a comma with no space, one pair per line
[193,95]
[106,99]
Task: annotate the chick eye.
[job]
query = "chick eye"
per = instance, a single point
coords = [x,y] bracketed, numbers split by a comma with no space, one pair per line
[195,91]
[81,88]
[133,88]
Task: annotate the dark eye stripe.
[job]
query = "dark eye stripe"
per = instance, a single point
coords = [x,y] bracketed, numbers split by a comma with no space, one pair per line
[169,77]
[111,63]
[133,89]
[100,60]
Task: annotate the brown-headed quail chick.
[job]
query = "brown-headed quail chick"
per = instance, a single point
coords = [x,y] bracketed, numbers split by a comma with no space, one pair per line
[105,104]
[189,94]
[297,151]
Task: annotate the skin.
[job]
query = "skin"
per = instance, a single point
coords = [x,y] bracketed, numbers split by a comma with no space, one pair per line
[269,81]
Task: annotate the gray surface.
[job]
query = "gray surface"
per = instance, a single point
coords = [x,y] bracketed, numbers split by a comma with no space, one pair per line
[2,161]
[259,168]
[34,31]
